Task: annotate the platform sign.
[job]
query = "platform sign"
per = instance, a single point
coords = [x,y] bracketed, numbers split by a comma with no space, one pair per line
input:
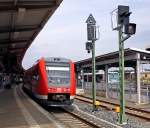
[91,28]
[91,32]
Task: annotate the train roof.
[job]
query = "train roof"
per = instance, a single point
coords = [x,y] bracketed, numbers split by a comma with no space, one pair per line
[56,59]
[51,59]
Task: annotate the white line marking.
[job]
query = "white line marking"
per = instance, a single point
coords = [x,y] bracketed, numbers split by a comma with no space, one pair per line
[28,117]
[44,112]
[41,96]
[96,117]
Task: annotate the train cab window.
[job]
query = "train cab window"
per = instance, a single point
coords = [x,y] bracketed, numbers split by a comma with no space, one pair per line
[58,76]
[36,77]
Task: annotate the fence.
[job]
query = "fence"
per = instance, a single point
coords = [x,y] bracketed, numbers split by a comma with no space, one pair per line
[113,90]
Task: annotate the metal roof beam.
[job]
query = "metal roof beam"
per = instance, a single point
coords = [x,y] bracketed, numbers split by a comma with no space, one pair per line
[13,41]
[9,6]
[11,47]
[16,48]
[16,51]
[18,44]
[7,30]
[3,45]
[42,2]
[58,2]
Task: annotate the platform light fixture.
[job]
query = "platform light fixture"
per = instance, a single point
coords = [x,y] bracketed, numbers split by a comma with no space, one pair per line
[21,13]
[16,35]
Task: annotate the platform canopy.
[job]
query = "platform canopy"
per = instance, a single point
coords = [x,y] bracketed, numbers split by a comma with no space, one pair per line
[112,59]
[20,22]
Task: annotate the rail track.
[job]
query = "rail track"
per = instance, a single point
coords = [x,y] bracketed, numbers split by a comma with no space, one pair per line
[111,106]
[73,117]
[71,120]
[64,117]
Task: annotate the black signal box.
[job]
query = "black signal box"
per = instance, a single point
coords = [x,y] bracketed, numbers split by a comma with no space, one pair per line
[123,14]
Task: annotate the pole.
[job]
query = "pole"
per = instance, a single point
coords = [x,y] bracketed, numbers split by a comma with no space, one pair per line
[138,78]
[121,78]
[82,74]
[106,80]
[90,46]
[93,74]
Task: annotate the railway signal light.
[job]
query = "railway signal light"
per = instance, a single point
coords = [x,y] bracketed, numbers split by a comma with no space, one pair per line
[123,27]
[124,21]
[92,30]
[89,46]
[130,29]
[123,14]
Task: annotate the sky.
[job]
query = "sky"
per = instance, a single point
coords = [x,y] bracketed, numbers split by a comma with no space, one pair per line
[65,35]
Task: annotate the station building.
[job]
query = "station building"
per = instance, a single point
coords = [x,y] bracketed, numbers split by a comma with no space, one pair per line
[137,84]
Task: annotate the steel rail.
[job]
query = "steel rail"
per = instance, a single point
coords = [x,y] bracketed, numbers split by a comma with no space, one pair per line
[86,121]
[111,106]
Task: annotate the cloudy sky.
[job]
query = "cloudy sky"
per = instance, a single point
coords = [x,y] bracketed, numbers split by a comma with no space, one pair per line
[64,35]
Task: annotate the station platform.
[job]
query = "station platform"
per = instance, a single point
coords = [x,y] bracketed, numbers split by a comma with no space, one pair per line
[17,110]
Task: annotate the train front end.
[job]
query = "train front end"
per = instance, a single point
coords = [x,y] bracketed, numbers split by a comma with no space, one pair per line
[61,81]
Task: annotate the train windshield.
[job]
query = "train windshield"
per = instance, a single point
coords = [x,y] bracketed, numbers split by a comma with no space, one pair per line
[58,76]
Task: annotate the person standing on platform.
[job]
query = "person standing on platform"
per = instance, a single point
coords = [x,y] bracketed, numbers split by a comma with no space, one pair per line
[1,81]
[149,93]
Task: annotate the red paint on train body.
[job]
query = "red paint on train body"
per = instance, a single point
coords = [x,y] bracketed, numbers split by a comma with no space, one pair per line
[52,81]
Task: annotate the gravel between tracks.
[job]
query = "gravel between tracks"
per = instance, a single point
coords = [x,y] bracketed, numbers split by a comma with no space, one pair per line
[112,116]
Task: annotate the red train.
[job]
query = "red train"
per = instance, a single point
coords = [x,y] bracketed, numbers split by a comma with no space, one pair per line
[51,81]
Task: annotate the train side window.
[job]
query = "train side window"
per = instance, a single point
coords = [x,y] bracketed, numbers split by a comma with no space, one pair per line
[34,80]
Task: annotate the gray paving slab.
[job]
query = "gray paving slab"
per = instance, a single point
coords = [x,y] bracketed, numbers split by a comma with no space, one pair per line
[36,114]
[11,115]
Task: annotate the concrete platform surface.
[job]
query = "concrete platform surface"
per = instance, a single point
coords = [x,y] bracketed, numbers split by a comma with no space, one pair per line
[17,110]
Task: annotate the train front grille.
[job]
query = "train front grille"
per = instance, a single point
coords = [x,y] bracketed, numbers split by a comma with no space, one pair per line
[57,97]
